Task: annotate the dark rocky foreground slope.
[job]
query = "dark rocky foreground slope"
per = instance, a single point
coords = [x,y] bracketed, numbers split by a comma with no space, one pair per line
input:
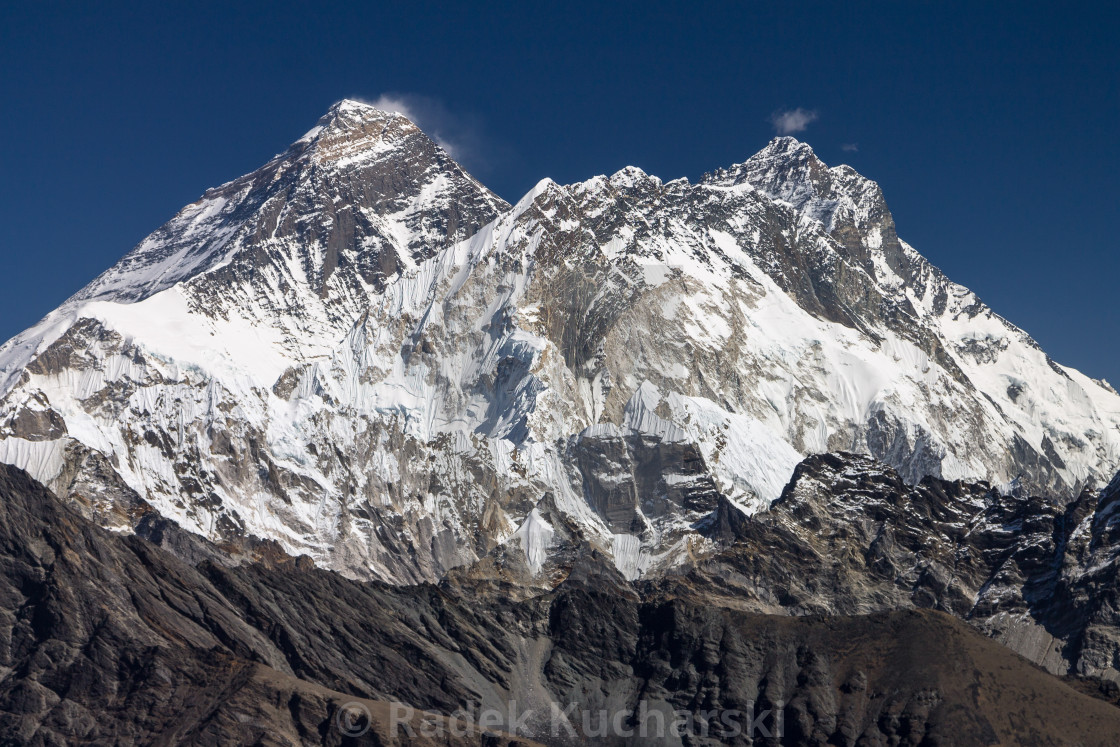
[112,639]
[849,536]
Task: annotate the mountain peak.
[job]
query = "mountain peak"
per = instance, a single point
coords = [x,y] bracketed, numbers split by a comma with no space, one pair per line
[784,145]
[848,205]
[396,187]
[355,105]
[788,156]
[351,110]
[351,128]
[784,159]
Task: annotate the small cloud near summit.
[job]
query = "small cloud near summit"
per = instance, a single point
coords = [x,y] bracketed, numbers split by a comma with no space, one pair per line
[850,147]
[789,121]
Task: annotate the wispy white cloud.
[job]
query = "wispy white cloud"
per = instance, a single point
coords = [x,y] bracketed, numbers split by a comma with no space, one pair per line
[789,121]
[850,147]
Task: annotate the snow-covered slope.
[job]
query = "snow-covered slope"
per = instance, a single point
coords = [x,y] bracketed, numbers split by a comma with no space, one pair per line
[361,354]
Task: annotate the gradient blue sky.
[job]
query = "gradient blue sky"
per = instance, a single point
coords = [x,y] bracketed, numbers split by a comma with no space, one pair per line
[993,129]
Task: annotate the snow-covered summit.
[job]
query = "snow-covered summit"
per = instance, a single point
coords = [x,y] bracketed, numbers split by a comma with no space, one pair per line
[360,353]
[354,130]
[356,107]
[383,155]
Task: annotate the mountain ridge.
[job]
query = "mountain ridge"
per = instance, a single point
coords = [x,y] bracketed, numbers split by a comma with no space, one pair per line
[370,359]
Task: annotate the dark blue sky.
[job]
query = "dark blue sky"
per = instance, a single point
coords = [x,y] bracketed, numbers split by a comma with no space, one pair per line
[993,130]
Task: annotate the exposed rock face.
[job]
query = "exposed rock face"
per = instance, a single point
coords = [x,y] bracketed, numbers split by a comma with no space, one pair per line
[360,354]
[108,638]
[849,536]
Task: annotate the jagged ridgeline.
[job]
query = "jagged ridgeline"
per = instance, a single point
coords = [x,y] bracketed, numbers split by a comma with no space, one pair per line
[359,354]
[360,429]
